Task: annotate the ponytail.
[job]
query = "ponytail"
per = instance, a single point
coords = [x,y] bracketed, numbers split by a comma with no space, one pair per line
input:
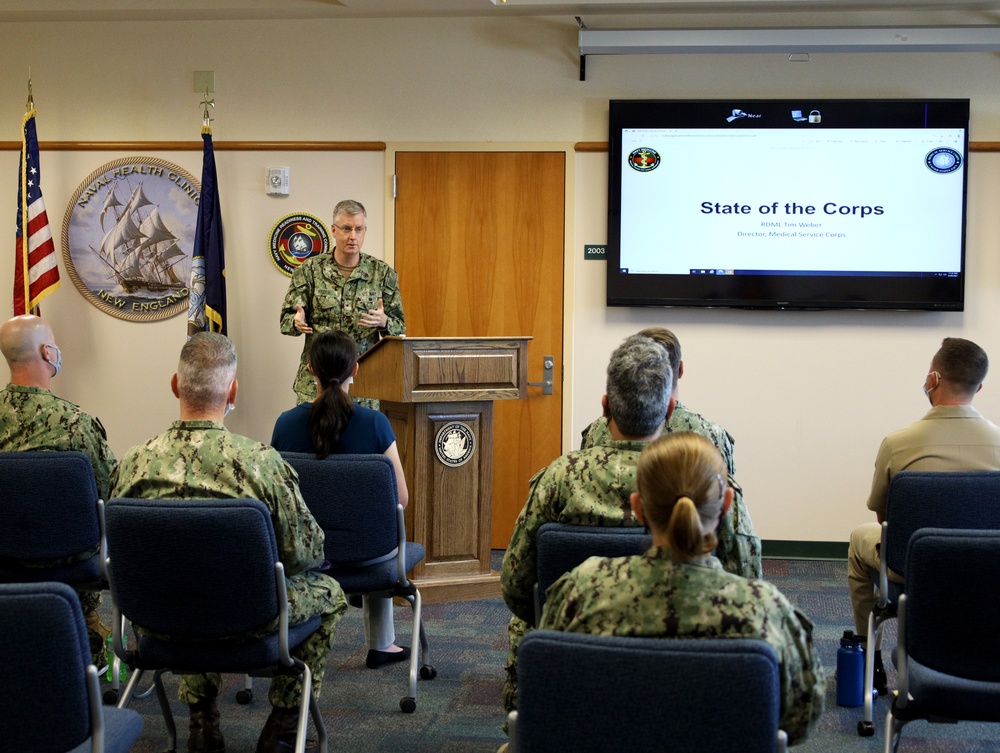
[332,356]
[328,418]
[684,534]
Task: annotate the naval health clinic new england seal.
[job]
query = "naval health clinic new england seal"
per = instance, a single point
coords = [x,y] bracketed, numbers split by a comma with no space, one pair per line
[128,235]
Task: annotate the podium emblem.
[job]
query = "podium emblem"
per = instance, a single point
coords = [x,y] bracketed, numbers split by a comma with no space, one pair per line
[454,444]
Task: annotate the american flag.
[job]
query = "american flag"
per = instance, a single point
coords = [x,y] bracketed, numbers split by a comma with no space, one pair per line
[36,273]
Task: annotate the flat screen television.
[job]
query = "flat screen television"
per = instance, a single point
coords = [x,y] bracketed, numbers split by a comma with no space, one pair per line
[788,204]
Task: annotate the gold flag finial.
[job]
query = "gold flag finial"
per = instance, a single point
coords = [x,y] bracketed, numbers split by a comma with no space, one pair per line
[206,120]
[30,104]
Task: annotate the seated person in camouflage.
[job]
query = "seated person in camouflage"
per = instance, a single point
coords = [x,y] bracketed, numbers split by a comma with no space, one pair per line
[588,487]
[198,458]
[739,545]
[677,589]
[32,418]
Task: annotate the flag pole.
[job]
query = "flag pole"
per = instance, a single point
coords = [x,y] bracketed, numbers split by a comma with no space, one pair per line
[29,109]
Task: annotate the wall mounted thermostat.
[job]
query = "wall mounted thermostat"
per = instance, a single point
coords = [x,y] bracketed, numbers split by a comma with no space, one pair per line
[277,181]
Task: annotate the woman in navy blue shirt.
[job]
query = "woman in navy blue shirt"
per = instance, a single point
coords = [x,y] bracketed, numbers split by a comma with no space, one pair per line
[333,424]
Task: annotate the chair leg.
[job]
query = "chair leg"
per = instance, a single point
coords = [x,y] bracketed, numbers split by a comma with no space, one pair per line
[866,727]
[317,718]
[893,728]
[304,707]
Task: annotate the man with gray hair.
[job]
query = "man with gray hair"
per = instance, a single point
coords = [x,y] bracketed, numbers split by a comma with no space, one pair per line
[197,457]
[346,290]
[589,487]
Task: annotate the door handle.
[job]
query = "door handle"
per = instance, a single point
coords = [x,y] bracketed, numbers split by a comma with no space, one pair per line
[547,384]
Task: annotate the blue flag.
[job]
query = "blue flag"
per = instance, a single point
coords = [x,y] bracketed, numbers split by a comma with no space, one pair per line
[207,297]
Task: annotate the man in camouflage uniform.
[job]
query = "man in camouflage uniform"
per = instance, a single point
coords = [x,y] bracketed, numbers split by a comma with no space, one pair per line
[588,487]
[346,290]
[739,546]
[650,595]
[32,418]
[197,457]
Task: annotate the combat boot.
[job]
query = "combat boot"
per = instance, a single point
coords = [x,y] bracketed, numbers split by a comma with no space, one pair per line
[278,735]
[205,732]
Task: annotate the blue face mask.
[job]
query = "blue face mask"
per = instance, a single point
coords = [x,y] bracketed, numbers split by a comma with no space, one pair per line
[57,364]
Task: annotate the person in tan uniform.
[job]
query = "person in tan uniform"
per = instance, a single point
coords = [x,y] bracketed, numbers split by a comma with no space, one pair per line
[952,436]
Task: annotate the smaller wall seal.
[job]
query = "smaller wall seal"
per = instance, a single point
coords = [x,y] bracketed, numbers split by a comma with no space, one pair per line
[295,238]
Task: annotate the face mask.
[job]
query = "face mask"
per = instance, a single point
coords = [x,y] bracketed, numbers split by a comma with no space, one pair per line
[57,365]
[230,407]
[927,392]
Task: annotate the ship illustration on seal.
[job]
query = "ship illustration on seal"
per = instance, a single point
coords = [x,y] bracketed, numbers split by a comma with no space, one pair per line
[138,250]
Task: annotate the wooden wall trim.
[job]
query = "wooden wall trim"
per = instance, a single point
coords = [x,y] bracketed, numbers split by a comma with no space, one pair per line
[602,146]
[196,146]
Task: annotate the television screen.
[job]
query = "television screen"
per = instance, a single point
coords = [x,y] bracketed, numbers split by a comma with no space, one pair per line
[788,204]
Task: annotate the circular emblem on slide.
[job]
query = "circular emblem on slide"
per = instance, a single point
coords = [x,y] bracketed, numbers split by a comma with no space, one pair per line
[644,159]
[454,444]
[296,237]
[943,160]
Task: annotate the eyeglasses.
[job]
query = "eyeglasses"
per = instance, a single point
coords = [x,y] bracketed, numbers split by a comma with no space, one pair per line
[347,229]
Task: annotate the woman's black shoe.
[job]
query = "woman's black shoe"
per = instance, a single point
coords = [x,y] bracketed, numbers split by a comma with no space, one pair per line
[377,658]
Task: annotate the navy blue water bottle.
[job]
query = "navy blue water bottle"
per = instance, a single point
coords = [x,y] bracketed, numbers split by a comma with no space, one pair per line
[850,671]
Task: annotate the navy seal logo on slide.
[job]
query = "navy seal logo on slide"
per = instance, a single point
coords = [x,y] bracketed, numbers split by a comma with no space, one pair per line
[644,159]
[295,238]
[454,444]
[943,160]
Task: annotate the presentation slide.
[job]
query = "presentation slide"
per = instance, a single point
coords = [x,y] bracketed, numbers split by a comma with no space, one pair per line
[792,201]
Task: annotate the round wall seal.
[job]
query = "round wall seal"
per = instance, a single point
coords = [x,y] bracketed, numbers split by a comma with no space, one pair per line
[128,236]
[454,444]
[295,238]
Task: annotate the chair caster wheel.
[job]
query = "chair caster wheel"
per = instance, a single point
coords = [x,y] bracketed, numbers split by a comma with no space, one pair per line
[427,672]
[866,729]
[243,697]
[407,705]
[110,697]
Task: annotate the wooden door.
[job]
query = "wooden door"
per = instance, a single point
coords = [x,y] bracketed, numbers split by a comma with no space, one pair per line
[479,252]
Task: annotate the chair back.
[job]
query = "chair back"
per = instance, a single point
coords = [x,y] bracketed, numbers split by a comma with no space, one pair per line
[952,612]
[44,653]
[49,512]
[354,499]
[192,569]
[561,547]
[596,693]
[954,499]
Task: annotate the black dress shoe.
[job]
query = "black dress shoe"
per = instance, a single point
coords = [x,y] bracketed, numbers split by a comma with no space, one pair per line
[377,659]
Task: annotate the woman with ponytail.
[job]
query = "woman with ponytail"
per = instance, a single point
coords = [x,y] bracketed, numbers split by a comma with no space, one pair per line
[678,588]
[333,424]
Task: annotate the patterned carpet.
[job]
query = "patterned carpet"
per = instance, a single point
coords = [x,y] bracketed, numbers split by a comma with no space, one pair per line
[459,711]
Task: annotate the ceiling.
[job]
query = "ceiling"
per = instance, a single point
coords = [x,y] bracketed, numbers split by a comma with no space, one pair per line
[596,13]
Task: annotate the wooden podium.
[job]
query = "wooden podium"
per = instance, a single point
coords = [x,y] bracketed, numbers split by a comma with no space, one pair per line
[438,394]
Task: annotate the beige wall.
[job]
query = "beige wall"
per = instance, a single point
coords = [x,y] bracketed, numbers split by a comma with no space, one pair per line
[807,395]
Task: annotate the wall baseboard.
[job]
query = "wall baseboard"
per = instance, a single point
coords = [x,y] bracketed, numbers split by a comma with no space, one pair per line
[804,550]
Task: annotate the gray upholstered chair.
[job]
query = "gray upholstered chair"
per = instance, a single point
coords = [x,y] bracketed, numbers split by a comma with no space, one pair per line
[921,499]
[156,550]
[561,547]
[354,500]
[591,694]
[50,696]
[948,655]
